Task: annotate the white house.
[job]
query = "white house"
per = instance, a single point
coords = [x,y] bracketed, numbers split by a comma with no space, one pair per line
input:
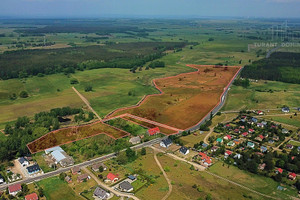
[23,161]
[166,143]
[184,150]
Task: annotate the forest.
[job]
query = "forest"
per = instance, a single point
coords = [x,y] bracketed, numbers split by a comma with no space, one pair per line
[280,66]
[23,63]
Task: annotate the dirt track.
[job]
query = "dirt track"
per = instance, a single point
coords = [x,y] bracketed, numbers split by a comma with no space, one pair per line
[87,103]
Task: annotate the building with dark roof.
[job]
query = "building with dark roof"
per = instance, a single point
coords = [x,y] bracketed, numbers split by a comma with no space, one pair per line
[125,186]
[33,169]
[23,161]
[166,143]
[184,150]
[100,193]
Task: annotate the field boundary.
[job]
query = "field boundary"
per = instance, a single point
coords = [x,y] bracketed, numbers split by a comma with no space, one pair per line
[144,99]
[101,133]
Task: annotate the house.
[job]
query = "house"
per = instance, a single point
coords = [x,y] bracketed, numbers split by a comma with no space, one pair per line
[264,123]
[228,126]
[135,140]
[14,189]
[250,144]
[96,167]
[214,148]
[238,156]
[245,134]
[285,131]
[227,137]
[259,112]
[263,149]
[231,144]
[99,193]
[184,150]
[271,141]
[1,179]
[219,140]
[111,178]
[83,177]
[298,148]
[75,170]
[251,130]
[260,125]
[262,166]
[260,138]
[237,130]
[227,153]
[23,161]
[204,145]
[285,109]
[131,177]
[68,179]
[254,120]
[166,143]
[153,131]
[32,196]
[125,186]
[276,138]
[289,146]
[292,176]
[279,170]
[33,169]
[236,141]
[206,160]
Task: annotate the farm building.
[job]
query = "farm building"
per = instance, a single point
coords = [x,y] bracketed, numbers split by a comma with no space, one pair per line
[135,140]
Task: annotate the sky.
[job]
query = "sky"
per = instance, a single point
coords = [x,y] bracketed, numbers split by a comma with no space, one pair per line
[149,8]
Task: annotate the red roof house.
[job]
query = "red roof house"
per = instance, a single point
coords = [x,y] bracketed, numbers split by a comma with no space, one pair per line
[228,153]
[153,131]
[261,137]
[14,189]
[251,130]
[245,134]
[279,170]
[32,196]
[292,176]
[111,177]
[205,159]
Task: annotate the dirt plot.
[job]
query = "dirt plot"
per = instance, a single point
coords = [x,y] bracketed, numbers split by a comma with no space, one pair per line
[71,134]
[186,98]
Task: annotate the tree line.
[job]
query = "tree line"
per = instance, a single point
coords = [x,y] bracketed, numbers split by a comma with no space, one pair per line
[280,66]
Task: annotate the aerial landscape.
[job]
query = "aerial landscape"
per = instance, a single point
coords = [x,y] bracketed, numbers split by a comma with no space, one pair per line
[149,100]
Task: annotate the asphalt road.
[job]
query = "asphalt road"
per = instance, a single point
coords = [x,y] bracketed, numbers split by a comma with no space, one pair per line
[84,164]
[217,108]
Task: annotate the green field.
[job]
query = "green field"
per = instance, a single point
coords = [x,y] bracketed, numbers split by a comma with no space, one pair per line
[295,120]
[184,179]
[56,189]
[256,182]
[263,95]
[111,86]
